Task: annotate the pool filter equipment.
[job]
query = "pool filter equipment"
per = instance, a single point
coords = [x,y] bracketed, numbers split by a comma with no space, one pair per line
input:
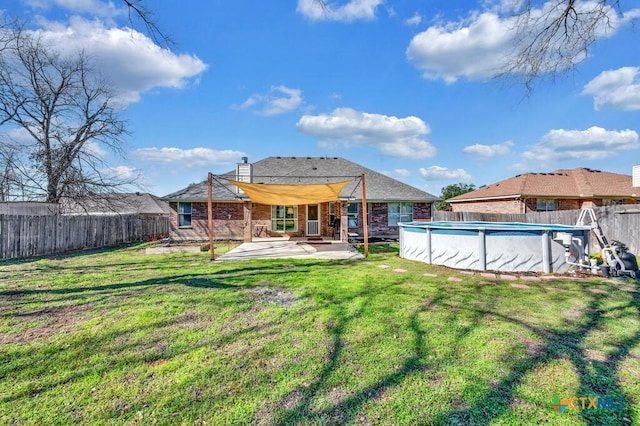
[575,252]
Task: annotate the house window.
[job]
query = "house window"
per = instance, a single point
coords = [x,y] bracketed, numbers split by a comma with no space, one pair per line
[284,218]
[352,215]
[399,212]
[184,215]
[612,202]
[332,212]
[546,205]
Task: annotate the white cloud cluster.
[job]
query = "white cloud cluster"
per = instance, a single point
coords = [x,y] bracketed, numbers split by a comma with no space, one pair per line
[281,99]
[130,61]
[352,10]
[393,136]
[488,151]
[474,51]
[444,173]
[478,46]
[593,143]
[616,89]
[189,158]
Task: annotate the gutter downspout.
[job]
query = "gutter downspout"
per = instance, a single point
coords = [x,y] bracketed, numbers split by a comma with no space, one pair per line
[524,204]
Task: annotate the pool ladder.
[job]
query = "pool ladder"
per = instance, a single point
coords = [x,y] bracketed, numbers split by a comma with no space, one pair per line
[594,225]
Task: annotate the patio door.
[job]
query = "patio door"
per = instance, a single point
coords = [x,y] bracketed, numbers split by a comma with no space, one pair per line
[313,219]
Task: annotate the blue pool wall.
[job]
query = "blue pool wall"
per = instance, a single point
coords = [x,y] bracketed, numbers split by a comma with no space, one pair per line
[491,246]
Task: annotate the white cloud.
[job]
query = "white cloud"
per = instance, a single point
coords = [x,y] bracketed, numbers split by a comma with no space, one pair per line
[94,149]
[488,151]
[416,19]
[475,51]
[124,173]
[478,46]
[616,88]
[352,10]
[594,143]
[393,136]
[17,136]
[274,103]
[402,172]
[444,173]
[194,157]
[629,17]
[132,63]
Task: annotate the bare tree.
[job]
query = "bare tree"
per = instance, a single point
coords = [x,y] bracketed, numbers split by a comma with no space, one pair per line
[554,36]
[58,119]
[139,12]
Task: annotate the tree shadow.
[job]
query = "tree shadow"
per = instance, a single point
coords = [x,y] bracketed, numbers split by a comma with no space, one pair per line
[597,378]
[346,409]
[566,342]
[70,254]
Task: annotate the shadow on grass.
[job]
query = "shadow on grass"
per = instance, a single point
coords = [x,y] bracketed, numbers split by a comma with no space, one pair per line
[188,280]
[70,254]
[597,378]
[346,410]
[222,278]
[566,342]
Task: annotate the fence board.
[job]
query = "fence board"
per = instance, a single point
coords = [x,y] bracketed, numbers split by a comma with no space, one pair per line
[28,236]
[620,223]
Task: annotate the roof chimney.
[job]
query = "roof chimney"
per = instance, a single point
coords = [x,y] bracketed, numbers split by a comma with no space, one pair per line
[244,172]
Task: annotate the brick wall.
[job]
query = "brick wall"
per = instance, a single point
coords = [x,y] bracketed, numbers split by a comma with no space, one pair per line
[504,206]
[228,222]
[515,206]
[378,219]
[421,211]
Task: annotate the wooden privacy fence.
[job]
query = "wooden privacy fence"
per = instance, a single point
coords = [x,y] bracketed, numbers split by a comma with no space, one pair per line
[620,223]
[26,236]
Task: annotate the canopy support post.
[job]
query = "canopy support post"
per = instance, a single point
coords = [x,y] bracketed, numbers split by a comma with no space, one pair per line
[365,224]
[210,213]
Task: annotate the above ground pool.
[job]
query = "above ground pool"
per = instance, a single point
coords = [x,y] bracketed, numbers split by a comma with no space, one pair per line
[494,246]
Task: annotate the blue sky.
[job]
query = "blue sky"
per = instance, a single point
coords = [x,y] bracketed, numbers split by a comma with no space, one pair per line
[402,87]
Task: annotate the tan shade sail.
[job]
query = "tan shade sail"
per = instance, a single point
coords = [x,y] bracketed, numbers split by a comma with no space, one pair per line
[289,194]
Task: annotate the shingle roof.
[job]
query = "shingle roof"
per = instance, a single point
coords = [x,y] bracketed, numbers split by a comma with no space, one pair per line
[563,183]
[119,203]
[310,170]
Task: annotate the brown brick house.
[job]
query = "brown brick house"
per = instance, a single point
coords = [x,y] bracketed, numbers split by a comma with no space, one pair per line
[235,217]
[569,189]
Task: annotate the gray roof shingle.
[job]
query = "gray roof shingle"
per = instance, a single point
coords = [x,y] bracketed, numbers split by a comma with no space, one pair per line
[119,203]
[292,170]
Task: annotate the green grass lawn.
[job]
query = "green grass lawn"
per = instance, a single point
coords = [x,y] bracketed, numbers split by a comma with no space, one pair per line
[120,337]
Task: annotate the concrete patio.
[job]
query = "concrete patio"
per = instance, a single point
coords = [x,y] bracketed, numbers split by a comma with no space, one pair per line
[278,248]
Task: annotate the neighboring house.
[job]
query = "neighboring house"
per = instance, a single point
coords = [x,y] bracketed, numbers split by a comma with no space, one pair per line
[235,217]
[138,203]
[29,208]
[560,190]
